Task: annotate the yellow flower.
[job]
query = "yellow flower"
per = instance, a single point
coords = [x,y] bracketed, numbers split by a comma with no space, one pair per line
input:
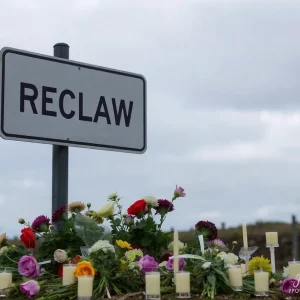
[2,238]
[84,268]
[76,206]
[107,210]
[123,244]
[97,218]
[123,265]
[131,255]
[259,263]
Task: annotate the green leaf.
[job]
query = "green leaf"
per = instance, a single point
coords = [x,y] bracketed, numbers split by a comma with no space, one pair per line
[212,280]
[146,241]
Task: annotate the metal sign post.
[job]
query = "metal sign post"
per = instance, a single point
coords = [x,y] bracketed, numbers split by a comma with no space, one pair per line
[60,154]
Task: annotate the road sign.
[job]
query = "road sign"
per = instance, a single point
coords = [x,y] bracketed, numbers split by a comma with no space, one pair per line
[46,99]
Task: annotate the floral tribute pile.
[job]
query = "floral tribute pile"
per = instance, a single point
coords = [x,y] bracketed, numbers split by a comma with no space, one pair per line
[119,255]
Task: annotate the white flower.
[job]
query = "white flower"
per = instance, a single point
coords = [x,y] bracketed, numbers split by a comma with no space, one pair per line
[231,259]
[163,264]
[151,201]
[222,255]
[131,265]
[103,245]
[285,272]
[60,256]
[206,265]
[181,246]
[3,249]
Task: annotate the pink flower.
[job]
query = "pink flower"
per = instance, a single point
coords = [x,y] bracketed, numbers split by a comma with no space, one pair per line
[148,264]
[181,264]
[129,220]
[29,288]
[218,242]
[28,266]
[60,256]
[179,192]
[289,286]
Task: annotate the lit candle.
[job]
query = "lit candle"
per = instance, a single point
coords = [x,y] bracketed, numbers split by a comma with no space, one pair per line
[175,253]
[85,286]
[244,270]
[68,274]
[294,269]
[152,285]
[272,238]
[235,277]
[183,285]
[245,238]
[261,282]
[5,279]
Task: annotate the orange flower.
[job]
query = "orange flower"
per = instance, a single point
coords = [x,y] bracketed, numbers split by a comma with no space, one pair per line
[84,268]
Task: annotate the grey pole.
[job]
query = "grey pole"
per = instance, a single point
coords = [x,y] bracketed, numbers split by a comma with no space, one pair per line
[60,154]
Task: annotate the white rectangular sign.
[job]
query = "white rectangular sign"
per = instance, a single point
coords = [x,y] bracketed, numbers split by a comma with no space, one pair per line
[50,100]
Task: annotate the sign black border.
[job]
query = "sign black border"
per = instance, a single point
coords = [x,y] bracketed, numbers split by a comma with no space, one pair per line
[66,142]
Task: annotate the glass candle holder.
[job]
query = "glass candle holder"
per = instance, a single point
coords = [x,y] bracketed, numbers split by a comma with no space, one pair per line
[294,269]
[68,274]
[152,285]
[5,281]
[236,277]
[183,284]
[261,283]
[85,287]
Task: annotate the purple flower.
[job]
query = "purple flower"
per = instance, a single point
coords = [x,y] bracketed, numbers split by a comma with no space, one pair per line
[218,242]
[289,286]
[29,288]
[179,192]
[41,223]
[148,264]
[181,264]
[28,266]
[129,220]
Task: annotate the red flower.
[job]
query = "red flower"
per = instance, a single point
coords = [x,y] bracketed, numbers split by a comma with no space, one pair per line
[135,246]
[165,257]
[28,238]
[138,208]
[60,270]
[76,259]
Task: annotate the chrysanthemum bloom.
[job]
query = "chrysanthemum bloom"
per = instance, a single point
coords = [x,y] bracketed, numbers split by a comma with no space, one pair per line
[134,254]
[164,206]
[207,229]
[259,263]
[103,245]
[151,201]
[107,210]
[113,197]
[41,224]
[2,238]
[123,244]
[218,243]
[59,213]
[75,207]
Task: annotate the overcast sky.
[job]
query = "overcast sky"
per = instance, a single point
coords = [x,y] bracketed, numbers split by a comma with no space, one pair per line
[223,106]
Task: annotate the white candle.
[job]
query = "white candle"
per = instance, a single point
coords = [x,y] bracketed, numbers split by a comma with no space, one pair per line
[152,283]
[261,281]
[183,284]
[235,276]
[244,270]
[85,286]
[245,237]
[68,274]
[5,279]
[201,242]
[175,253]
[272,238]
[294,269]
